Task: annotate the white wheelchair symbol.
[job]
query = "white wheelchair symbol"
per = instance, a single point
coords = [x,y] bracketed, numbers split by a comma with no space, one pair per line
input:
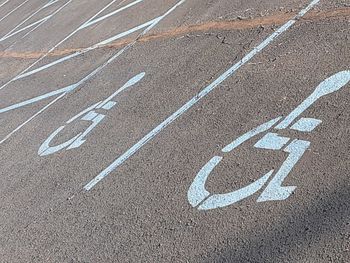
[199,197]
[88,114]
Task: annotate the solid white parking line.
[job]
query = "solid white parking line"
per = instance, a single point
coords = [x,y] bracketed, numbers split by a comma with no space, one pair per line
[40,23]
[58,44]
[94,72]
[24,28]
[125,156]
[32,117]
[28,18]
[85,50]
[9,13]
[92,22]
[4,3]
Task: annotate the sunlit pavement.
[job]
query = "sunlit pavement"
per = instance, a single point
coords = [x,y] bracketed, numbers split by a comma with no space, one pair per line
[174,131]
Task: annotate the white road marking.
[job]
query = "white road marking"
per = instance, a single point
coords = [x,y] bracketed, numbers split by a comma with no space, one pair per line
[24,28]
[88,49]
[197,195]
[88,114]
[92,22]
[92,74]
[4,3]
[35,25]
[14,10]
[28,18]
[58,44]
[85,50]
[31,118]
[38,98]
[125,156]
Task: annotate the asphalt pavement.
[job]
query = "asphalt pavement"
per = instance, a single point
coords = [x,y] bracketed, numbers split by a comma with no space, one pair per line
[174,131]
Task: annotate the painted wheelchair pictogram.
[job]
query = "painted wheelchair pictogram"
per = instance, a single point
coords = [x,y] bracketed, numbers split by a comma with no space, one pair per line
[199,197]
[89,114]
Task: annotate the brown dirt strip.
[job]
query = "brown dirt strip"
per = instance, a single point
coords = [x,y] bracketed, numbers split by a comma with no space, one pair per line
[276,19]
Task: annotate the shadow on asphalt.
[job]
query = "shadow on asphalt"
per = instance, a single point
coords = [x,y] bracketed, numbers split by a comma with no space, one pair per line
[330,215]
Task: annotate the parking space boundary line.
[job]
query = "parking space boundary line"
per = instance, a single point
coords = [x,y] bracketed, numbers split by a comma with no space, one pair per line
[193,101]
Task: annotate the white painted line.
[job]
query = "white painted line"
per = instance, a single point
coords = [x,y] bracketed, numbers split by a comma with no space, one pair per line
[123,34]
[24,28]
[275,189]
[102,10]
[57,45]
[32,117]
[92,74]
[9,13]
[92,22]
[38,98]
[28,18]
[4,3]
[121,159]
[42,22]
[89,115]
[51,2]
[83,51]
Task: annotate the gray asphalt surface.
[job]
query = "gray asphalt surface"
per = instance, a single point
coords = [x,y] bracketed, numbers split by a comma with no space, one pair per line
[141,212]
